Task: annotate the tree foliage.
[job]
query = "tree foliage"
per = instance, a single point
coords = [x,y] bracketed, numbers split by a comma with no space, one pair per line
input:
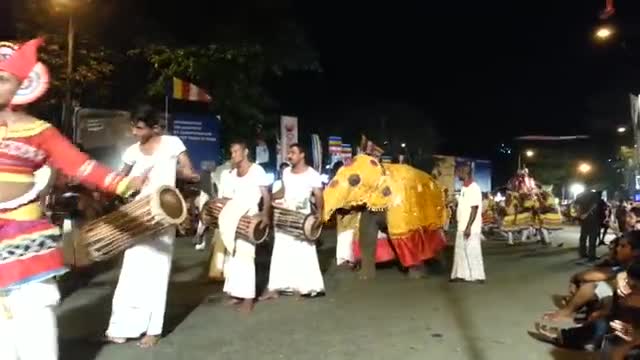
[94,63]
[235,72]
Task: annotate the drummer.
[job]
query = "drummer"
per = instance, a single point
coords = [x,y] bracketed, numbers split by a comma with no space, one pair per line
[247,186]
[294,261]
[31,257]
[140,298]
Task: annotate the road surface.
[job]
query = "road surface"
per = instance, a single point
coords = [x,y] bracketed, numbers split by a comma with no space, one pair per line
[389,318]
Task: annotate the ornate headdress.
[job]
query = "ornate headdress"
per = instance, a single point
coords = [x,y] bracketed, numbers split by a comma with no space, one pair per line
[22,62]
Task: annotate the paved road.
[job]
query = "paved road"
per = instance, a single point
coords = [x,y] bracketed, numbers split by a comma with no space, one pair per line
[391,317]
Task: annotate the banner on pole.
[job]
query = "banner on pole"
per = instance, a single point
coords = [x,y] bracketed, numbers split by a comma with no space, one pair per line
[288,134]
[316,151]
[200,134]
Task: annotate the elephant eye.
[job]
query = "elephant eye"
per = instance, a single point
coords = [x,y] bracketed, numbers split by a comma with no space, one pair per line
[386,191]
[354,179]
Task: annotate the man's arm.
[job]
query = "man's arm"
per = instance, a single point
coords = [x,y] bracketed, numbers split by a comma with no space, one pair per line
[317,195]
[266,205]
[472,218]
[593,275]
[185,168]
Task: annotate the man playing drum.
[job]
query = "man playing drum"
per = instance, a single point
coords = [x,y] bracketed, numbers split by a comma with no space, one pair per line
[140,298]
[30,256]
[294,261]
[248,184]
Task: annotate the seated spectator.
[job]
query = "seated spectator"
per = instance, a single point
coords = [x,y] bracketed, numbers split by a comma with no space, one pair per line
[596,283]
[614,328]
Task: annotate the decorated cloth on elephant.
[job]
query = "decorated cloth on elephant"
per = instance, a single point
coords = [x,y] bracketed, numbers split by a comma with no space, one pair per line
[348,245]
[413,201]
[294,261]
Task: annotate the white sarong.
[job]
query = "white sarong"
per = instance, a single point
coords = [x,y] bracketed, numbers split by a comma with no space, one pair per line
[28,328]
[295,266]
[240,272]
[467,258]
[344,247]
[140,299]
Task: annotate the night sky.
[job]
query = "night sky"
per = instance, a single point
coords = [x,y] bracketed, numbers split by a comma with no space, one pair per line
[481,72]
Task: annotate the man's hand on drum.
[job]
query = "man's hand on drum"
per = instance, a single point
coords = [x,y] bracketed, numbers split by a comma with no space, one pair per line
[265,220]
[136,183]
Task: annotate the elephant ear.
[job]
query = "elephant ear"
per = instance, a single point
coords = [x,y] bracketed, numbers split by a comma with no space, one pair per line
[353,185]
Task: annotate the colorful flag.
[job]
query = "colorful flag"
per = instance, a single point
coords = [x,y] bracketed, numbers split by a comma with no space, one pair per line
[183,90]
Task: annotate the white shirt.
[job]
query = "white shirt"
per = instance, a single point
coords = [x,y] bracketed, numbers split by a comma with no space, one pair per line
[246,187]
[298,188]
[469,196]
[163,163]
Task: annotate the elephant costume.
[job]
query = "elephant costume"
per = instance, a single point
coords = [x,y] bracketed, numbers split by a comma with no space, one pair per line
[397,199]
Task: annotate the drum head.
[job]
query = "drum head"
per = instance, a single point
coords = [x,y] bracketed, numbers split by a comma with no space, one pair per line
[311,232]
[34,86]
[172,204]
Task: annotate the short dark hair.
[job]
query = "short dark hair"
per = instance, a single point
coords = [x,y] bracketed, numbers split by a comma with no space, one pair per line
[299,147]
[635,211]
[633,271]
[146,114]
[239,142]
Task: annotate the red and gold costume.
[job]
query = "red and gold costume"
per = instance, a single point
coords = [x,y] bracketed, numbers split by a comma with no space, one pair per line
[29,249]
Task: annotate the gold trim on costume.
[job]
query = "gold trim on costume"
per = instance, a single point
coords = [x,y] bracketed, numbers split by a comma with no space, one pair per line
[16,178]
[26,130]
[24,213]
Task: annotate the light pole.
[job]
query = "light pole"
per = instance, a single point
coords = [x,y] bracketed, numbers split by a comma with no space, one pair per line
[528,153]
[67,107]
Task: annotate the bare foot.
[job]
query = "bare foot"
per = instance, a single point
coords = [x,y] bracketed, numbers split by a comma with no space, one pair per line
[559,315]
[269,295]
[232,301]
[246,306]
[115,340]
[149,341]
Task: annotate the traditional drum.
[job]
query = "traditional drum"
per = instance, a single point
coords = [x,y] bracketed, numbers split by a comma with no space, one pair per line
[297,224]
[249,228]
[113,233]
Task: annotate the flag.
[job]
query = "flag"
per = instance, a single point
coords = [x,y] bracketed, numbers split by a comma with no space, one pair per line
[183,90]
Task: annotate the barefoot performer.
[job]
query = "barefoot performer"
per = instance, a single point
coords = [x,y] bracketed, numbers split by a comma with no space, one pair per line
[140,298]
[29,251]
[294,261]
[248,184]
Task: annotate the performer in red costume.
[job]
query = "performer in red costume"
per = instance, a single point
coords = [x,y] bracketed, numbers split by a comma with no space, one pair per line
[30,257]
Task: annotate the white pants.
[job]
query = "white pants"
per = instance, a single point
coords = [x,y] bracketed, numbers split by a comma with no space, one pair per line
[140,299]
[294,266]
[28,328]
[467,258]
[344,247]
[240,272]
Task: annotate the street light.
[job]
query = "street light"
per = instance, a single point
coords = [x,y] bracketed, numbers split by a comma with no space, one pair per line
[403,145]
[621,129]
[584,168]
[604,32]
[529,153]
[576,189]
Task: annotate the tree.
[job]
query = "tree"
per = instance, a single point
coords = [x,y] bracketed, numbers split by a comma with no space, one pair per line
[235,65]
[94,63]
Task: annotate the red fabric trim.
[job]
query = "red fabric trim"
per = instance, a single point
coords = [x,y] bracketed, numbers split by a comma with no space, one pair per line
[412,249]
[10,230]
[18,270]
